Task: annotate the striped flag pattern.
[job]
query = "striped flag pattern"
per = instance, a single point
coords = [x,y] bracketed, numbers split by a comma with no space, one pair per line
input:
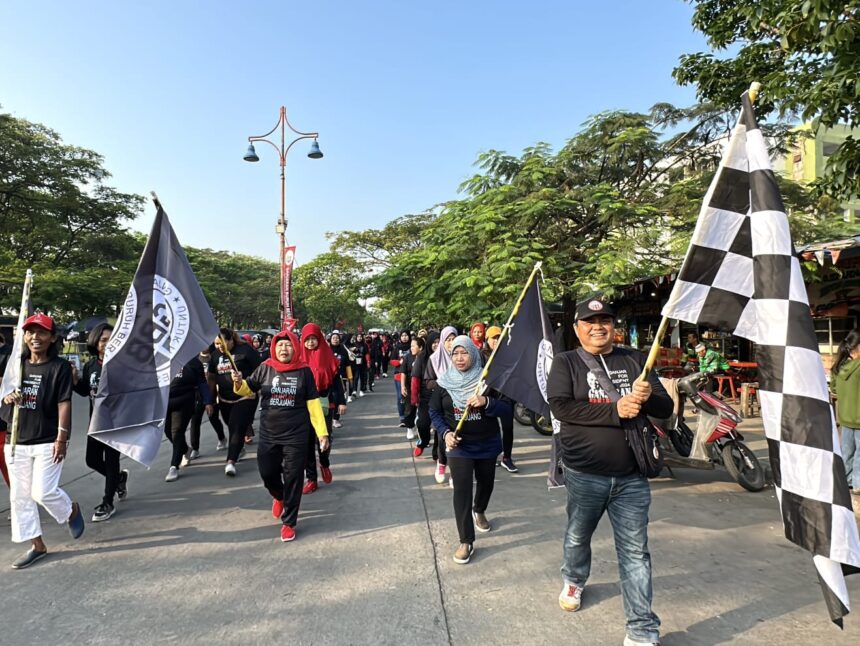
[741,275]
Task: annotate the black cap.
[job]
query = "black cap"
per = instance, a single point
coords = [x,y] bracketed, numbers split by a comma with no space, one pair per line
[593,307]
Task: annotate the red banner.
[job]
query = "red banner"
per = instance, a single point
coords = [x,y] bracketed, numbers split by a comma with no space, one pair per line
[287,296]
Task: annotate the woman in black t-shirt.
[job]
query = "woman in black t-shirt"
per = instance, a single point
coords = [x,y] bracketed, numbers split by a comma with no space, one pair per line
[290,407]
[238,412]
[184,388]
[44,424]
[100,457]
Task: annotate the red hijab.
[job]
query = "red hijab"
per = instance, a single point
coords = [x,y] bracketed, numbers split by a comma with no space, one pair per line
[480,343]
[297,362]
[321,359]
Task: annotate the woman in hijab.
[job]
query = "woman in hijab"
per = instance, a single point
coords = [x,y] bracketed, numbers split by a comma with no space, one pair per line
[477,333]
[399,352]
[420,394]
[290,408]
[318,355]
[474,453]
[344,371]
[439,361]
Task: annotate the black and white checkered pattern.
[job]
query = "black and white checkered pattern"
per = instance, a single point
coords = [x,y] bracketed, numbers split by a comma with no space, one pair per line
[742,275]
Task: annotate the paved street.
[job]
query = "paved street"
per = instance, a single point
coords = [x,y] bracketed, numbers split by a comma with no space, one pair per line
[199,561]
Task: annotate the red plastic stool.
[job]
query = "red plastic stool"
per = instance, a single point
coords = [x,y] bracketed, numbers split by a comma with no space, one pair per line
[721,381]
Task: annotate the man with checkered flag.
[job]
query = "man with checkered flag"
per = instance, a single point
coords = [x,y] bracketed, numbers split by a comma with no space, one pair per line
[742,275]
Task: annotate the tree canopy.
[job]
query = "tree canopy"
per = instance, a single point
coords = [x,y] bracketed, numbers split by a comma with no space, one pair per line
[805,53]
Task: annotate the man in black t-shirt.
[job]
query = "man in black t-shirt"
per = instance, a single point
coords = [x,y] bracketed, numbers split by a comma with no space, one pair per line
[600,470]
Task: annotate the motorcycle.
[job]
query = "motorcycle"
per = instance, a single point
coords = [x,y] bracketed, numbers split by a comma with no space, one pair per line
[716,440]
[528,417]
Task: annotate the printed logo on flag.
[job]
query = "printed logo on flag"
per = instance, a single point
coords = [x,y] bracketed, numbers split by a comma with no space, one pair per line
[544,362]
[124,326]
[170,323]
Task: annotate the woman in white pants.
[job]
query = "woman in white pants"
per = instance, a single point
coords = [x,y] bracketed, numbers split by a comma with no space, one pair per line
[44,419]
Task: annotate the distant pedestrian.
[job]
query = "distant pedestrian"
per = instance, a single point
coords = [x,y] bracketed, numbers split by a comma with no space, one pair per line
[846,378]
[507,421]
[185,387]
[399,351]
[477,333]
[44,426]
[438,364]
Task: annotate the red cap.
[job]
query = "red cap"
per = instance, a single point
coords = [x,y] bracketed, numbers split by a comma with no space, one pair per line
[42,320]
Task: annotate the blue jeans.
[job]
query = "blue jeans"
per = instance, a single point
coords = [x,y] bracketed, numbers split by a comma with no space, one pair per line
[851,455]
[400,409]
[627,500]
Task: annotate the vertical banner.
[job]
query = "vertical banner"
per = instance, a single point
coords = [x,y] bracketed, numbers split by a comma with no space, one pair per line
[288,320]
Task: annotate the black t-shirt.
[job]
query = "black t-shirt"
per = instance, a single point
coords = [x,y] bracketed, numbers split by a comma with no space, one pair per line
[43,387]
[247,359]
[592,438]
[88,382]
[184,386]
[478,427]
[284,416]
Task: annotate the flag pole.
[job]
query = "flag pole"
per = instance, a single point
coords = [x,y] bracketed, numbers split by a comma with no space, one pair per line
[22,316]
[753,91]
[502,336]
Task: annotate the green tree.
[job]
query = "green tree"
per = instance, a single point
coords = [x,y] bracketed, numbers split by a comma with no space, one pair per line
[328,289]
[59,218]
[805,53]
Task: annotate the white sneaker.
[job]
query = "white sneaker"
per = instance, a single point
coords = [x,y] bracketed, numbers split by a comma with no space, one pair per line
[450,483]
[230,470]
[221,446]
[570,599]
[630,642]
[172,474]
[185,461]
[361,393]
[194,454]
[440,473]
[385,374]
[349,399]
[336,424]
[410,433]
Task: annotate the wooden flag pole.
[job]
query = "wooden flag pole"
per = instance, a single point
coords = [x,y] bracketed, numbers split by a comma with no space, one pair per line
[502,336]
[226,353]
[753,91]
[22,316]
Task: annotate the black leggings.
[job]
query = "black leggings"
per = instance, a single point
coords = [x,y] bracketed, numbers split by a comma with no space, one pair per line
[196,421]
[237,417]
[314,449]
[507,434]
[422,422]
[280,467]
[440,451]
[104,459]
[484,470]
[179,413]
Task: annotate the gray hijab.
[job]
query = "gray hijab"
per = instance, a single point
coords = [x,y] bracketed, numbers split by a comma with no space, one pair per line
[462,385]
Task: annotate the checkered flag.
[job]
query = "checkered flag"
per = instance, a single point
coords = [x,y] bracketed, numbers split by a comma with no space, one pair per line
[741,274]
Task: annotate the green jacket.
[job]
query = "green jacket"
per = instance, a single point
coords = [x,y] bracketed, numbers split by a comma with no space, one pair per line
[713,361]
[848,391]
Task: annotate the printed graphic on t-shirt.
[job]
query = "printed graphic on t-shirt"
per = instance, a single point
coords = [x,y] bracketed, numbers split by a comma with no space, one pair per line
[596,394]
[30,391]
[283,392]
[224,367]
[94,383]
[474,415]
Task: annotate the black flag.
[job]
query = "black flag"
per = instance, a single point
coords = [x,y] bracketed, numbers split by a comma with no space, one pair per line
[164,323]
[521,363]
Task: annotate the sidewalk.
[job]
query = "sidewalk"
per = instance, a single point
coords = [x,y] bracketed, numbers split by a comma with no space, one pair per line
[199,560]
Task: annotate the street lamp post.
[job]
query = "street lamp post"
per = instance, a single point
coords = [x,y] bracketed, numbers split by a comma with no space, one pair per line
[281,227]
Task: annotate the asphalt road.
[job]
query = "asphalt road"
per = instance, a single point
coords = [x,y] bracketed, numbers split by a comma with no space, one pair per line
[198,561]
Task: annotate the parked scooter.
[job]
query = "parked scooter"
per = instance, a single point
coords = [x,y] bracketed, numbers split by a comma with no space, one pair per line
[716,440]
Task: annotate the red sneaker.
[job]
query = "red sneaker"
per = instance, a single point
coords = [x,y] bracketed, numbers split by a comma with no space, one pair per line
[287,533]
[310,486]
[326,474]
[277,508]
[418,451]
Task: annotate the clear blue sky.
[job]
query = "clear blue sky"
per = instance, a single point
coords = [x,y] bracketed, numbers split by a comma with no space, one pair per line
[404,95]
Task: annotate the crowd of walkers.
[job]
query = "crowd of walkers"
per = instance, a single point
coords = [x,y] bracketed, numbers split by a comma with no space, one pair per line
[302,384]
